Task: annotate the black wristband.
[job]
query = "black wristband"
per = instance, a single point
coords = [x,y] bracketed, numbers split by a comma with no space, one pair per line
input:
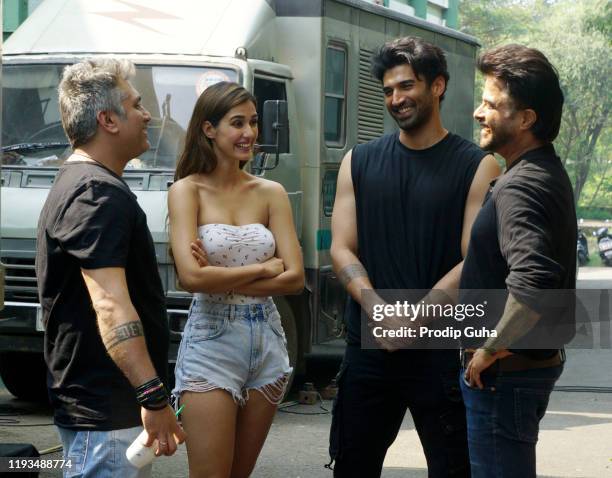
[152,395]
[155,406]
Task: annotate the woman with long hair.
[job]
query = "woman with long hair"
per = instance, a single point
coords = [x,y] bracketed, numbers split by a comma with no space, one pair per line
[234,245]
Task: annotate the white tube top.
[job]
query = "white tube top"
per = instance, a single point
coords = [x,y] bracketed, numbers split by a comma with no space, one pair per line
[233,246]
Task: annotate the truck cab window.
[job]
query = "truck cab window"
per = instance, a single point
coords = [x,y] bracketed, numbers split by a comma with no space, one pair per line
[32,133]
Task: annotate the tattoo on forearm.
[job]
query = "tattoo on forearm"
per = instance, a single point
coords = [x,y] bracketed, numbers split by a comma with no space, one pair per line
[122,333]
[351,272]
[516,321]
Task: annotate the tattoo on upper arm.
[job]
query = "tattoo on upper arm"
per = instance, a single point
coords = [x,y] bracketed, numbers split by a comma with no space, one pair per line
[350,272]
[122,333]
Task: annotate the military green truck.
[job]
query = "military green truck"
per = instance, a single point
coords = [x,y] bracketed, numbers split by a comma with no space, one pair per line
[312,56]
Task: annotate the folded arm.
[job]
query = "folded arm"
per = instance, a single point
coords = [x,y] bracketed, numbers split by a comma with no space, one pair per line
[183,217]
[280,223]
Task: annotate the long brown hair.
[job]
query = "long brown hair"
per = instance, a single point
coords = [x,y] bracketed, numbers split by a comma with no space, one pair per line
[212,105]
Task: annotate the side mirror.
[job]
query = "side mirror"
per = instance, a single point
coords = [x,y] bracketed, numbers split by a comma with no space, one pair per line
[275,134]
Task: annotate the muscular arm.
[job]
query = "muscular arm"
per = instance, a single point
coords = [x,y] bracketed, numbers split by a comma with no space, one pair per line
[118,322]
[346,264]
[280,222]
[183,216]
[123,337]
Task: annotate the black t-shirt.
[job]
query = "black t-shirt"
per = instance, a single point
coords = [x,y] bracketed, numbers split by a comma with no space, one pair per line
[91,220]
[524,240]
[409,206]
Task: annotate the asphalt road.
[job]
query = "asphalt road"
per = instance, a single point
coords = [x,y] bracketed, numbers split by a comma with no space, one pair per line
[575,438]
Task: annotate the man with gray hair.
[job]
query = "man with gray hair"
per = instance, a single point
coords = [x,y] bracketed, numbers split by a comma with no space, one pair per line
[106,339]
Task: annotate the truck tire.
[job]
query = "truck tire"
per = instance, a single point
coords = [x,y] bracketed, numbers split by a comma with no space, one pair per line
[25,375]
[291,334]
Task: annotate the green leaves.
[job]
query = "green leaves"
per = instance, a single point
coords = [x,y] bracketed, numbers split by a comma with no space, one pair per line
[575,35]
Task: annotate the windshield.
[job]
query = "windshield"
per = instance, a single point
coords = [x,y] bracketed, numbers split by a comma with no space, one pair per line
[32,133]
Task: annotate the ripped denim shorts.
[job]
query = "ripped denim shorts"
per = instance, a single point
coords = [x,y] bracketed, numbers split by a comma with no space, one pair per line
[233,347]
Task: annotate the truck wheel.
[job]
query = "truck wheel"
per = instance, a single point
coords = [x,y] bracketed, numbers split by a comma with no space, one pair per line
[291,334]
[25,375]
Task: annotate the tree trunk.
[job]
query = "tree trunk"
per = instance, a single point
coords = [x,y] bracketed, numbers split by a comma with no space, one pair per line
[586,151]
[603,178]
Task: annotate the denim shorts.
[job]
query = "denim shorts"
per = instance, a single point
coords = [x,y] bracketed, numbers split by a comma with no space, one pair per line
[233,347]
[100,454]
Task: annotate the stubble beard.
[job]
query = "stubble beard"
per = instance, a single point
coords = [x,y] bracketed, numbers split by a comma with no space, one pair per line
[422,114]
[497,140]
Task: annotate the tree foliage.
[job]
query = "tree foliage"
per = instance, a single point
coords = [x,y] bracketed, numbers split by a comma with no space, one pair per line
[575,36]
[599,19]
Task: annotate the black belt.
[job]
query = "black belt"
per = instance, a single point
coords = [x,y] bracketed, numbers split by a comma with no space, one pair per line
[516,362]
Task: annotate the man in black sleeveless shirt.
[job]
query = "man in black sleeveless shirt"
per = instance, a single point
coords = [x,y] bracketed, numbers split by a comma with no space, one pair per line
[523,240]
[404,208]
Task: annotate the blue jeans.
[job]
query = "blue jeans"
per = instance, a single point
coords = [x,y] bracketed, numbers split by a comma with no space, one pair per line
[503,420]
[100,454]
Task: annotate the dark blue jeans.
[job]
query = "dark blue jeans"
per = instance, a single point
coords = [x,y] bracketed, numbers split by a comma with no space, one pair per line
[375,390]
[503,420]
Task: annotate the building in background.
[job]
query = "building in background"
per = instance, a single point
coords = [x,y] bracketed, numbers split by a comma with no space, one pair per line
[440,12]
[14,13]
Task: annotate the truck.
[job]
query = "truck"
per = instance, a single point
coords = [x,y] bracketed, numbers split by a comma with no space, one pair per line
[307,60]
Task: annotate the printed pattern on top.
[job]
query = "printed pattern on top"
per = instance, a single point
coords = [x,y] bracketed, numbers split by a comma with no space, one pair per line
[227,245]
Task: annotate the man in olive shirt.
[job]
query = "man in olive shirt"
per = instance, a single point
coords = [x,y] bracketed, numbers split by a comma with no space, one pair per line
[523,240]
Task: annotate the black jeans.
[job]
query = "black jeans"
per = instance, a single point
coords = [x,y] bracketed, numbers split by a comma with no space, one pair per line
[376,388]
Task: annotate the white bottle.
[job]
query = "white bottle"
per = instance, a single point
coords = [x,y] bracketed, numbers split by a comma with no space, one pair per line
[138,454]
